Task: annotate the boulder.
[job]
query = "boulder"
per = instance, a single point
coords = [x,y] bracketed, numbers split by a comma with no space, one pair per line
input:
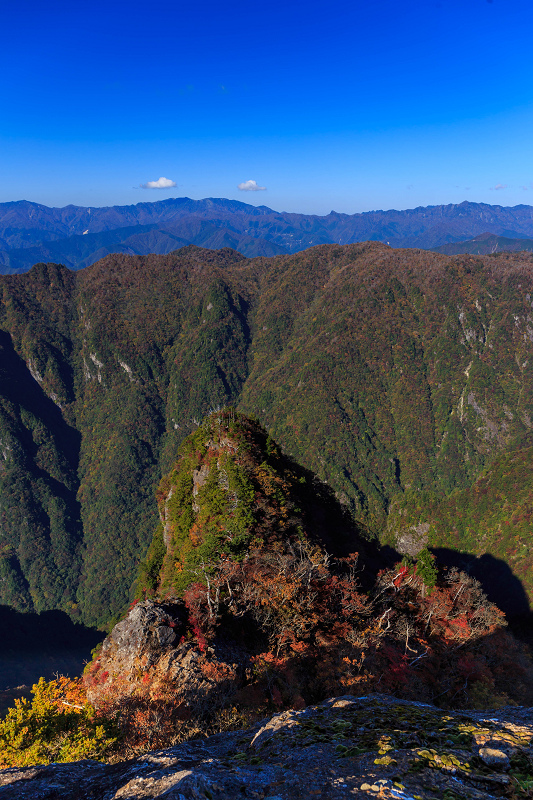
[147,654]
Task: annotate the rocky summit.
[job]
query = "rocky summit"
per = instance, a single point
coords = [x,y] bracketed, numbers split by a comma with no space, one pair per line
[242,602]
[368,747]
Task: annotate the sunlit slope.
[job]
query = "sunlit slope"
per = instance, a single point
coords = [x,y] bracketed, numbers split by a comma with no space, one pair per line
[386,370]
[383,371]
[106,374]
[149,364]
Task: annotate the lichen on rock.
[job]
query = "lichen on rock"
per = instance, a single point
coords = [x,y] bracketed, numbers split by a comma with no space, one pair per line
[330,750]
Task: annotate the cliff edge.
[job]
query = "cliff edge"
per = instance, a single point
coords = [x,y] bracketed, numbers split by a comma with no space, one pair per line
[368,747]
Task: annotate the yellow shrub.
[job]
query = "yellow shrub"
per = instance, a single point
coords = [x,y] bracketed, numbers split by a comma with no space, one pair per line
[57,725]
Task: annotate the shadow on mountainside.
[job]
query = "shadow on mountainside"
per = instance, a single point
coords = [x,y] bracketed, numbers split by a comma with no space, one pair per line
[499,583]
[41,645]
[330,524]
[18,386]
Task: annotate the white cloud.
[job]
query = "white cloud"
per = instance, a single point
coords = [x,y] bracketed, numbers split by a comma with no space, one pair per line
[499,186]
[251,186]
[162,183]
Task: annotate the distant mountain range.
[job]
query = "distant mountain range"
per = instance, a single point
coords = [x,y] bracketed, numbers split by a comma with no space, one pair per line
[486,244]
[77,236]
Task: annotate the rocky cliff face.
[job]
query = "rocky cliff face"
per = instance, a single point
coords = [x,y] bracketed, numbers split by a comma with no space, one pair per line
[368,747]
[146,655]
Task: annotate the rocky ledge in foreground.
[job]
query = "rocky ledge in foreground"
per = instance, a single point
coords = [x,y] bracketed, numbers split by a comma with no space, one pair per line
[367,746]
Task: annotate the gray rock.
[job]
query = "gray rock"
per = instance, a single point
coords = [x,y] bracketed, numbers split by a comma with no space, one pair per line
[145,631]
[282,758]
[494,757]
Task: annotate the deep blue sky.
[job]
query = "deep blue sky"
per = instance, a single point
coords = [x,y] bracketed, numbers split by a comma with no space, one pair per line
[348,106]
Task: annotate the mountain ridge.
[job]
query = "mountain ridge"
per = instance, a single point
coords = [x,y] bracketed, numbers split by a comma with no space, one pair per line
[254,230]
[486,244]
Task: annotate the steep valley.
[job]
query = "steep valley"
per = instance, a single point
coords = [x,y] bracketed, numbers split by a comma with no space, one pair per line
[402,378]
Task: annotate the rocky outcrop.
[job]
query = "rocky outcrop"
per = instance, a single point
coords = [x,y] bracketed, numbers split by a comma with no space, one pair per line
[370,747]
[148,630]
[134,645]
[148,651]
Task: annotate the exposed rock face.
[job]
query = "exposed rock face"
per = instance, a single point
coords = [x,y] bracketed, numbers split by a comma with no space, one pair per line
[148,630]
[167,530]
[199,478]
[370,747]
[412,541]
[135,644]
[147,649]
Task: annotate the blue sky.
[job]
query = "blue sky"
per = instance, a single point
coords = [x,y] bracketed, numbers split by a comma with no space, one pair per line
[350,106]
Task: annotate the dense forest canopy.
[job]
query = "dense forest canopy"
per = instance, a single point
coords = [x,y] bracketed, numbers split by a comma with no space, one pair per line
[402,378]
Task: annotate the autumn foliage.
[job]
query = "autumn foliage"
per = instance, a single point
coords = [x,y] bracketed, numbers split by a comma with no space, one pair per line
[247,552]
[261,613]
[323,635]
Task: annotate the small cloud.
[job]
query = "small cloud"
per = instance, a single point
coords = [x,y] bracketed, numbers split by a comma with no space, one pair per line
[251,186]
[498,187]
[162,183]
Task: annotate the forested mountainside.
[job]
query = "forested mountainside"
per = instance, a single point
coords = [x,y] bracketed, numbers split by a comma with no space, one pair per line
[259,592]
[77,236]
[402,378]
